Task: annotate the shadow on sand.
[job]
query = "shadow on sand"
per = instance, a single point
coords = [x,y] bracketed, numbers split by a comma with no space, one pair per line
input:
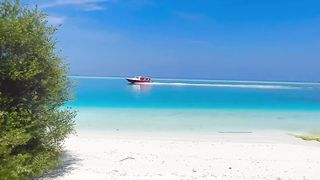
[66,167]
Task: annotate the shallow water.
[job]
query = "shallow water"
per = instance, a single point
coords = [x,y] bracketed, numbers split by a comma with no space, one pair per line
[197,106]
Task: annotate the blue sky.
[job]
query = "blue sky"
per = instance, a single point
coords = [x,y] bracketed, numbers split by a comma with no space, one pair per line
[214,39]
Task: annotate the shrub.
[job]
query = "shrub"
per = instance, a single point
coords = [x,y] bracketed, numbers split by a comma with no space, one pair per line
[33,90]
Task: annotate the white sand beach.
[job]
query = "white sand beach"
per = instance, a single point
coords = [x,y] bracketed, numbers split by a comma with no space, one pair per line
[262,155]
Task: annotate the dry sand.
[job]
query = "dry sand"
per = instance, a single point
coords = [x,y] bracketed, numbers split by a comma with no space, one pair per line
[176,156]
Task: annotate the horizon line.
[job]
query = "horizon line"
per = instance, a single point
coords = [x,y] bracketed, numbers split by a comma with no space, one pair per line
[199,80]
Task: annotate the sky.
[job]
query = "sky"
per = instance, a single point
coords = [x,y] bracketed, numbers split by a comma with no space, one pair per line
[203,39]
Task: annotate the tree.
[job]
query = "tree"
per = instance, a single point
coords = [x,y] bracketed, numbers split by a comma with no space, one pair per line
[34,88]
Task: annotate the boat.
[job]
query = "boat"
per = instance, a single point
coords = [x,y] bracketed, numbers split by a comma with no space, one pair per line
[139,79]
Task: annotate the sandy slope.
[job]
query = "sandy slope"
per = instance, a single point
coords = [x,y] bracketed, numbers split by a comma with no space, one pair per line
[216,156]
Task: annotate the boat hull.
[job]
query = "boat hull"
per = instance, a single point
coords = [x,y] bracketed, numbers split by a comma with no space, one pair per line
[134,81]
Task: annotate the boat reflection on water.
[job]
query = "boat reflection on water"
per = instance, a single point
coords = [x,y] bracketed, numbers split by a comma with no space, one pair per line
[141,88]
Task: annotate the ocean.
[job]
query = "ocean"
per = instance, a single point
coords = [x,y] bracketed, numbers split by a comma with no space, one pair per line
[179,105]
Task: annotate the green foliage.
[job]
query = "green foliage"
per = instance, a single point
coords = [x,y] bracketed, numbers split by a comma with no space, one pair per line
[33,90]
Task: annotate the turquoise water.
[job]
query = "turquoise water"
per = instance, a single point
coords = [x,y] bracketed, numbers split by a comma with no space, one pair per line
[194,105]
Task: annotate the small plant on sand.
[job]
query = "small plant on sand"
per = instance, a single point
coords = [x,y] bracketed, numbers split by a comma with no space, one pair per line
[309,137]
[33,90]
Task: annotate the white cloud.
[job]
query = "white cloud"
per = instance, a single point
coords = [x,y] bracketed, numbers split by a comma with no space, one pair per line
[54,20]
[92,7]
[89,5]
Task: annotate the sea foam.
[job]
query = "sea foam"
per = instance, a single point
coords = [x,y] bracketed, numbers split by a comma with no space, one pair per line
[253,86]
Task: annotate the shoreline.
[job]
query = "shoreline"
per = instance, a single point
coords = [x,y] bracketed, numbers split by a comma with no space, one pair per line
[257,135]
[257,155]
